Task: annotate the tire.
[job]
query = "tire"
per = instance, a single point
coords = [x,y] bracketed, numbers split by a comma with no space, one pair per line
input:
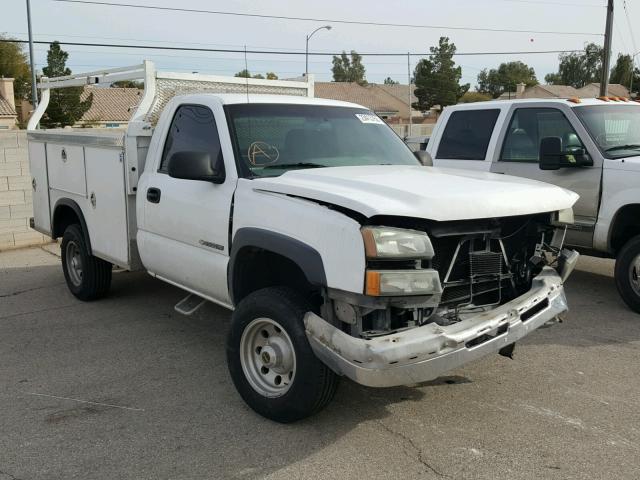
[627,273]
[87,277]
[254,333]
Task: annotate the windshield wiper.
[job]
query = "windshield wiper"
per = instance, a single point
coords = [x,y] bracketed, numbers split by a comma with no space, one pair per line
[631,146]
[295,165]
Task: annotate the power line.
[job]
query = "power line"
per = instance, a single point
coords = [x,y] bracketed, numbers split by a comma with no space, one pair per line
[268,52]
[57,35]
[327,20]
[633,40]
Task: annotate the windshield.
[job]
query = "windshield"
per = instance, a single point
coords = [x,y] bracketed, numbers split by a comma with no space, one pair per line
[614,128]
[271,139]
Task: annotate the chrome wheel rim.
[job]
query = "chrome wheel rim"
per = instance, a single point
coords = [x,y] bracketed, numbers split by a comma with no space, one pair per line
[268,358]
[634,270]
[74,263]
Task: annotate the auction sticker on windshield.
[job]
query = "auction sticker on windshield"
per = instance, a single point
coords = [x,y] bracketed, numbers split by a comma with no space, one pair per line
[369,118]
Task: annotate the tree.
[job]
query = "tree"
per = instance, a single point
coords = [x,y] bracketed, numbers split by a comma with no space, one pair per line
[390,81]
[65,105]
[128,84]
[244,73]
[621,72]
[437,78]
[471,97]
[14,64]
[505,78]
[348,68]
[578,69]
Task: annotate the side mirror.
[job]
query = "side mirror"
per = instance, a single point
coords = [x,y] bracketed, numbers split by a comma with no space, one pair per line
[196,166]
[550,153]
[552,157]
[424,158]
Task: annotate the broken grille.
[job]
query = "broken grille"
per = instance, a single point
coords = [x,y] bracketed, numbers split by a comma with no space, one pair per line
[475,276]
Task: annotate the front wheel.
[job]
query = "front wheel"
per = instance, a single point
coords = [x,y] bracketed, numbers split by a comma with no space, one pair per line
[88,277]
[270,359]
[627,273]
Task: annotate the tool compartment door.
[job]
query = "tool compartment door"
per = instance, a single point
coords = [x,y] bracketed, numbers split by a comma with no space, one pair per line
[40,185]
[106,209]
[66,168]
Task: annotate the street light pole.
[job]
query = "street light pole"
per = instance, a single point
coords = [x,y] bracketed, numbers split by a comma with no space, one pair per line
[34,90]
[306,54]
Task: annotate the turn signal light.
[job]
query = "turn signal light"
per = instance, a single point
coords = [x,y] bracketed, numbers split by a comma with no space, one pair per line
[380,283]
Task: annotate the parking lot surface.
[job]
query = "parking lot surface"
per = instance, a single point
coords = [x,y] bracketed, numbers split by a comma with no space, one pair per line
[128,388]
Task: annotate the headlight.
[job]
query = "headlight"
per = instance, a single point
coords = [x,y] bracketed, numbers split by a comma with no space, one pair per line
[381,283]
[387,242]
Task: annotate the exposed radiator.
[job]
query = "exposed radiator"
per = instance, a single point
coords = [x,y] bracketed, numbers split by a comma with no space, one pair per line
[485,263]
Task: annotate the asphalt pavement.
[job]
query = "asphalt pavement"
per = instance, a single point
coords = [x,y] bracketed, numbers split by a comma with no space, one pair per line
[126,388]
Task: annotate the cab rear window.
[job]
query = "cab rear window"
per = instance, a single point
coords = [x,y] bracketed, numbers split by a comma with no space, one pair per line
[466,135]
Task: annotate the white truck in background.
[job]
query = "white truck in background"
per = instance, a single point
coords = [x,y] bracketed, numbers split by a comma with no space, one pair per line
[339,254]
[589,146]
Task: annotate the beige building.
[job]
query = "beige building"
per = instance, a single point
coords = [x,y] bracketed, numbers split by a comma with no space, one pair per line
[390,102]
[110,108]
[8,115]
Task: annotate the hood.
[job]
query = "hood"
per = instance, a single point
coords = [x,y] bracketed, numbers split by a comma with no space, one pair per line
[421,192]
[629,164]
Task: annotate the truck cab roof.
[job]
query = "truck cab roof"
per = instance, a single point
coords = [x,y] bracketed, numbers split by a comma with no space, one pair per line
[572,103]
[243,98]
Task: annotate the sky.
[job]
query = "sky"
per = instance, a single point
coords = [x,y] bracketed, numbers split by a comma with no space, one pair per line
[107,24]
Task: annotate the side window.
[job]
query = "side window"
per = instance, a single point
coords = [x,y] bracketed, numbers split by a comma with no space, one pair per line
[467,134]
[193,128]
[530,125]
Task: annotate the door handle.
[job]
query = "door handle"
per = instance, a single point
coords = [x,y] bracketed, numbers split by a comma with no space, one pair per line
[153,195]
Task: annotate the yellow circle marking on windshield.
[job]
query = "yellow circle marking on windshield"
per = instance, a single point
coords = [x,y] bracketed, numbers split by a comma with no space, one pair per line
[261,153]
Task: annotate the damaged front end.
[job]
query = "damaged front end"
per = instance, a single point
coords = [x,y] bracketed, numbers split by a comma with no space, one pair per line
[441,295]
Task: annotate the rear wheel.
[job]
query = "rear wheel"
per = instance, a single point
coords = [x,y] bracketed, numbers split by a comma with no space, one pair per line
[88,277]
[627,273]
[270,359]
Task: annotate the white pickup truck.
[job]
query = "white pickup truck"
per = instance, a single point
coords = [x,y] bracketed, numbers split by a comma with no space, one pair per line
[589,146]
[339,254]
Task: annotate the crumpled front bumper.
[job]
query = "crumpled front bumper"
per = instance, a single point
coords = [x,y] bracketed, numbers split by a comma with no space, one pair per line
[427,352]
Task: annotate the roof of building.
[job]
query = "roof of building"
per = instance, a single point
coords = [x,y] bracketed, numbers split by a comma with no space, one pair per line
[399,91]
[371,96]
[593,90]
[111,104]
[560,91]
[6,109]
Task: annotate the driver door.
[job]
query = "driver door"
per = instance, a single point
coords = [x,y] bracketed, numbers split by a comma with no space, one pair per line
[519,156]
[184,237]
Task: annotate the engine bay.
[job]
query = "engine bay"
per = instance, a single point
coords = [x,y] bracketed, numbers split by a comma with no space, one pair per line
[481,264]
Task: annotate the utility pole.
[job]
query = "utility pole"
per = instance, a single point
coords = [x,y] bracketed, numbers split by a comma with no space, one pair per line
[606,56]
[34,90]
[409,87]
